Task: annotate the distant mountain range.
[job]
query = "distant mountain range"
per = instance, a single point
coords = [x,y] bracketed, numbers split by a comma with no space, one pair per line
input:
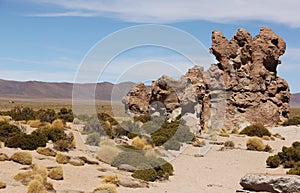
[39,90]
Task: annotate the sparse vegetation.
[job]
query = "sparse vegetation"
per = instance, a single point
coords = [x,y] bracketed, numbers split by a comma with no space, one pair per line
[46,151]
[289,157]
[62,158]
[109,188]
[148,174]
[24,158]
[35,186]
[258,130]
[255,144]
[111,179]
[56,173]
[292,121]
[229,144]
[142,118]
[140,143]
[58,124]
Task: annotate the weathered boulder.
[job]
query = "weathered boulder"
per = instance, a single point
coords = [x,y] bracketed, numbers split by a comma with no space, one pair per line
[243,88]
[271,183]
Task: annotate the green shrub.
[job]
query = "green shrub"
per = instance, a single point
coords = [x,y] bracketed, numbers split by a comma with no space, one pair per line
[294,171]
[158,140]
[7,130]
[48,115]
[149,174]
[26,142]
[172,145]
[296,145]
[258,130]
[273,161]
[167,168]
[66,115]
[19,113]
[292,121]
[142,118]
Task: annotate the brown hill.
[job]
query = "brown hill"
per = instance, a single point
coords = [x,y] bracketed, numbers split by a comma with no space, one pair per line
[36,89]
[295,100]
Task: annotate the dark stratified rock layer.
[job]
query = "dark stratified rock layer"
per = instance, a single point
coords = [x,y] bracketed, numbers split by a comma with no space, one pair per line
[243,88]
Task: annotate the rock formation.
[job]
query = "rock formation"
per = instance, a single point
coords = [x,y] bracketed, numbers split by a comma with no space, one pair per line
[243,88]
[271,183]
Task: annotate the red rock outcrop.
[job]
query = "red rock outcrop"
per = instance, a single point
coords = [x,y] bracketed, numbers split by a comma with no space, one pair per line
[243,88]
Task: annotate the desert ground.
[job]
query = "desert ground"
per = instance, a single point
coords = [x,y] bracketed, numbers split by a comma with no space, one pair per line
[197,169]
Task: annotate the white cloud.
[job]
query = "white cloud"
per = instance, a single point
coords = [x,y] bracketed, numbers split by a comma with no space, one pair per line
[169,11]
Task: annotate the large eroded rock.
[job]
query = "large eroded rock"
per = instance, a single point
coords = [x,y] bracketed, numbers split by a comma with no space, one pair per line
[271,183]
[243,88]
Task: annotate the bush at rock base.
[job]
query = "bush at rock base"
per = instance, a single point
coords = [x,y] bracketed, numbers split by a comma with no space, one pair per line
[273,161]
[258,130]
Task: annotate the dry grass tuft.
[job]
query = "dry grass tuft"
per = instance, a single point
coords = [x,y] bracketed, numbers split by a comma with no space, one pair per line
[139,143]
[107,153]
[4,157]
[4,118]
[77,162]
[255,144]
[58,124]
[46,151]
[38,173]
[56,173]
[2,185]
[111,179]
[35,186]
[24,158]
[62,158]
[110,188]
[267,138]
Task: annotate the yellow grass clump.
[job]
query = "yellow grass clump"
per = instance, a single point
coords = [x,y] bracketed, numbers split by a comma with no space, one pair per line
[2,185]
[39,124]
[56,173]
[267,138]
[235,130]
[110,188]
[111,179]
[77,162]
[35,186]
[46,151]
[4,118]
[255,144]
[62,158]
[107,153]
[58,123]
[141,143]
[223,132]
[37,172]
[24,158]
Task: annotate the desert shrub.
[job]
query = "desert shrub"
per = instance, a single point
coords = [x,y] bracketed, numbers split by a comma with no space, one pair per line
[229,144]
[106,117]
[148,174]
[258,130]
[39,124]
[172,144]
[159,140]
[139,143]
[294,171]
[48,115]
[93,139]
[66,115]
[76,162]
[268,148]
[142,118]
[19,113]
[7,130]
[62,158]
[5,118]
[167,168]
[46,151]
[37,172]
[24,158]
[56,173]
[27,142]
[289,157]
[292,121]
[63,145]
[35,186]
[273,161]
[53,134]
[58,124]
[111,179]
[255,144]
[109,188]
[107,153]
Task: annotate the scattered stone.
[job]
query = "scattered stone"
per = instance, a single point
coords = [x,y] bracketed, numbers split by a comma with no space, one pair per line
[88,161]
[271,183]
[198,155]
[130,182]
[198,143]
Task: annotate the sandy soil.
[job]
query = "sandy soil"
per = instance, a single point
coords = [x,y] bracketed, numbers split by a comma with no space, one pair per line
[217,171]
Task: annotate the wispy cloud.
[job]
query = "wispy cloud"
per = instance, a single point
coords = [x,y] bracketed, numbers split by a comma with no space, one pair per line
[169,11]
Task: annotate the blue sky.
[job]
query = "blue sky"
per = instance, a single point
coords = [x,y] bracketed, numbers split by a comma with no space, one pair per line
[46,40]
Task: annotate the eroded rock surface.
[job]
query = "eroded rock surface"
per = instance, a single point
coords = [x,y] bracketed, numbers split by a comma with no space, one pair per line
[271,183]
[243,88]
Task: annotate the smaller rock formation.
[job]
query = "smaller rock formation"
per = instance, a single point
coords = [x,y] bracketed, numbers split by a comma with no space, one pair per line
[271,183]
